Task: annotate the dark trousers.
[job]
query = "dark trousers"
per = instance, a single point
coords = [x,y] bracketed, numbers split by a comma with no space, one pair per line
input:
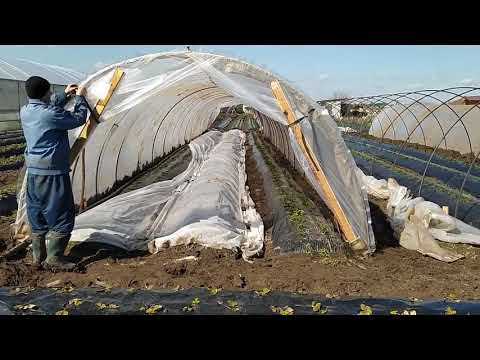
[50,205]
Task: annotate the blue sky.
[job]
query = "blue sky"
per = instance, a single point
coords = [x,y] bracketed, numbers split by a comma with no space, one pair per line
[319,70]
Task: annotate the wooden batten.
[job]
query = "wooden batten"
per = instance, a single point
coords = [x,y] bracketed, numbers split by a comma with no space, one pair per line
[316,168]
[92,122]
[87,129]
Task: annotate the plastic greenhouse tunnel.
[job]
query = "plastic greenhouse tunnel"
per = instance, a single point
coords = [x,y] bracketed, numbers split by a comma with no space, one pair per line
[149,106]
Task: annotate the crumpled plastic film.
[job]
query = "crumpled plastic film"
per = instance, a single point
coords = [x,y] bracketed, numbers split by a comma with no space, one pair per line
[127,218]
[416,222]
[21,220]
[207,204]
[416,236]
[208,210]
[165,100]
[376,187]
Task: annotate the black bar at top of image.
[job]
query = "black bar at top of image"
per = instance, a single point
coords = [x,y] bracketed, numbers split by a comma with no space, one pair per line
[227,23]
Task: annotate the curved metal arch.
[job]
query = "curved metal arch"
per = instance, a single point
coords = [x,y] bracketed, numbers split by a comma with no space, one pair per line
[108,134]
[100,155]
[168,112]
[206,126]
[453,92]
[405,92]
[391,125]
[126,136]
[421,121]
[459,118]
[153,142]
[443,132]
[212,96]
[467,174]
[399,115]
[438,145]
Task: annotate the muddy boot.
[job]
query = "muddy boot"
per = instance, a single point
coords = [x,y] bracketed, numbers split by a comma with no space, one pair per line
[39,249]
[57,243]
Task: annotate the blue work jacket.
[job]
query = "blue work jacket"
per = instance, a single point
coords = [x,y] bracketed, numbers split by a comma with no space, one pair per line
[45,127]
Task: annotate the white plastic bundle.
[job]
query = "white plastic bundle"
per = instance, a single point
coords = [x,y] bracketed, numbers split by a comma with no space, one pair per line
[417,222]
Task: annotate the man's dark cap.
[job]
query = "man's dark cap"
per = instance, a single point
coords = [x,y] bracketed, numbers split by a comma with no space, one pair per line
[36,87]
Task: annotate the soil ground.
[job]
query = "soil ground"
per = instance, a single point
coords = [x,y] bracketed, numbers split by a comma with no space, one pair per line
[8,181]
[392,272]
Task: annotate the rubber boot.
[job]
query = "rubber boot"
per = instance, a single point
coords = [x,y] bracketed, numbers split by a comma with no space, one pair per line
[39,248]
[57,243]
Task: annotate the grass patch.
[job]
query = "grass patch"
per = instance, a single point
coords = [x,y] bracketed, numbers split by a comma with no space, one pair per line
[297,219]
[10,126]
[292,201]
[11,160]
[17,149]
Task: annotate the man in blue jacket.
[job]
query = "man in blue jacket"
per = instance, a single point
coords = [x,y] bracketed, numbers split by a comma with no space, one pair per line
[50,204]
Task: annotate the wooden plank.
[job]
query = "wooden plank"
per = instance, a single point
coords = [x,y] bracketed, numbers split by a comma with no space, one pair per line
[91,122]
[316,168]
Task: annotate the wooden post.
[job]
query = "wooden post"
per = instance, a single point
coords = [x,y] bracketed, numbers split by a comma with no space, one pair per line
[314,165]
[91,122]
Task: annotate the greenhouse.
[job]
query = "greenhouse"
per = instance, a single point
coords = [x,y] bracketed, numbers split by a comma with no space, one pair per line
[447,126]
[13,73]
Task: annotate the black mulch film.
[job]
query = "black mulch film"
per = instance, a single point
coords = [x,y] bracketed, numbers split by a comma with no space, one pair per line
[205,302]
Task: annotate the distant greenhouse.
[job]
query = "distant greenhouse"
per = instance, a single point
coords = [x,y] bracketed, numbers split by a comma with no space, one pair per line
[450,126]
[14,73]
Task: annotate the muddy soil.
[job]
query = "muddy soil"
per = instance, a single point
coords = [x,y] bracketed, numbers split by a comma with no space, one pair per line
[8,177]
[8,180]
[6,240]
[392,272]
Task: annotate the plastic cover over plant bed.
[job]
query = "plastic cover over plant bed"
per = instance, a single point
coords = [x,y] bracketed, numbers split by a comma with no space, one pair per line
[207,204]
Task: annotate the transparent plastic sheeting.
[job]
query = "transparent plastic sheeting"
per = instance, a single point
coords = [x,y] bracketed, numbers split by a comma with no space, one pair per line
[21,70]
[448,126]
[165,100]
[417,223]
[207,204]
